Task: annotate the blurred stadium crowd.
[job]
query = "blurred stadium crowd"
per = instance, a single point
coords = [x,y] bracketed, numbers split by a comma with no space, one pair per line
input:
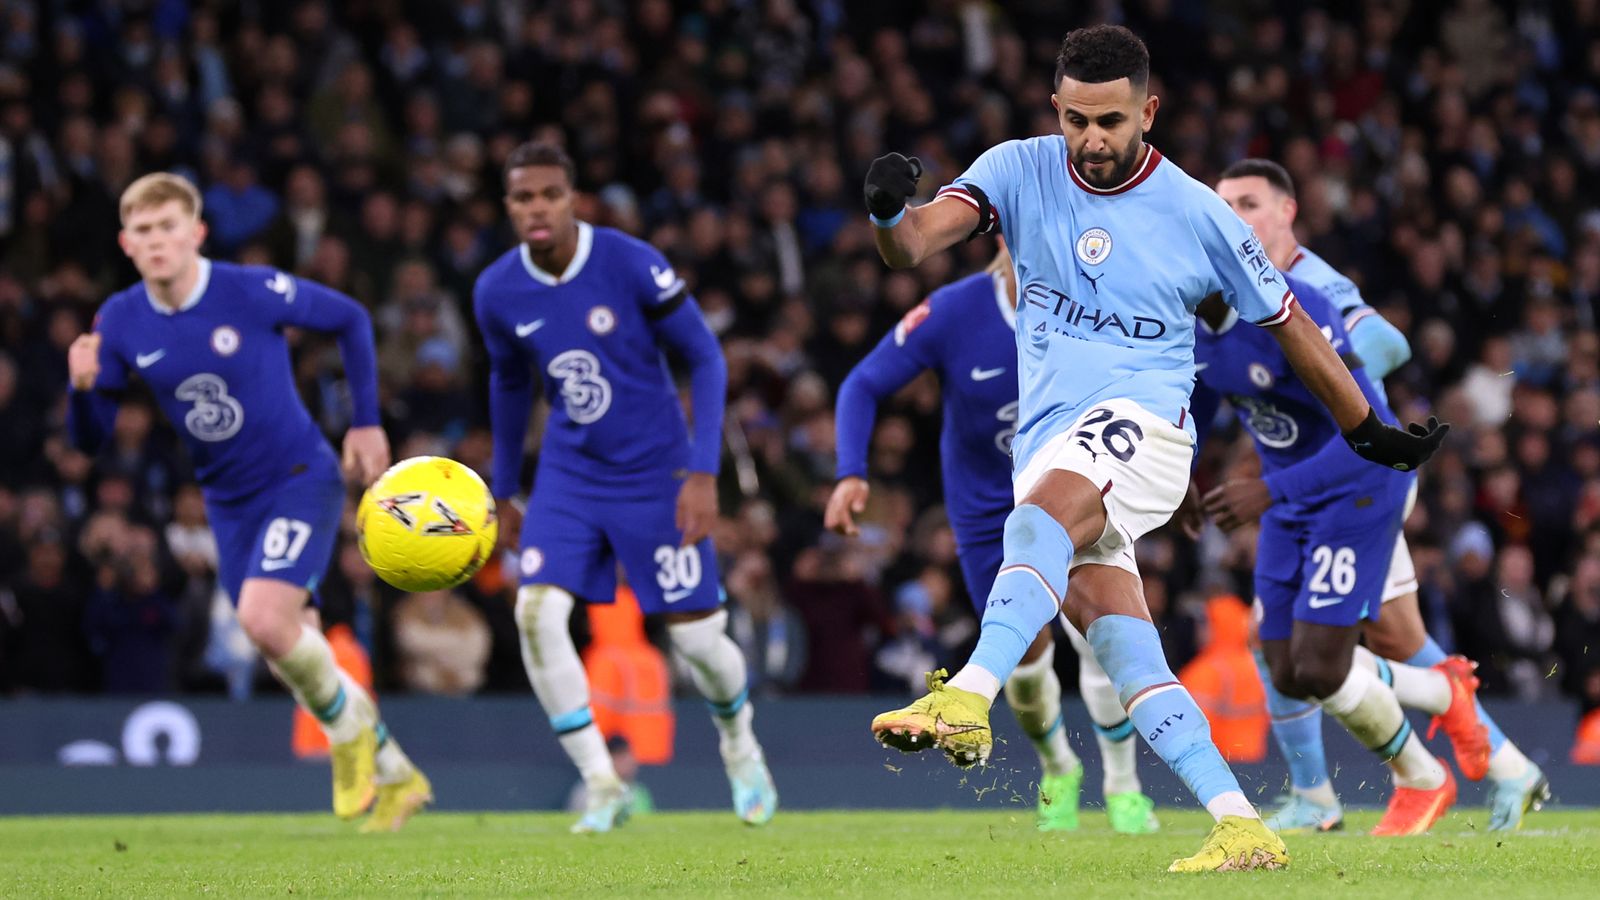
[1447,157]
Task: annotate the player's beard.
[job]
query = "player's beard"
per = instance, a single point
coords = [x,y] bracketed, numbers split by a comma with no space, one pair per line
[1121,172]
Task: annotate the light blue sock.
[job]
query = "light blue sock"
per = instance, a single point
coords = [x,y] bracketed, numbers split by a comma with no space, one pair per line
[1432,654]
[1297,727]
[1027,593]
[1130,651]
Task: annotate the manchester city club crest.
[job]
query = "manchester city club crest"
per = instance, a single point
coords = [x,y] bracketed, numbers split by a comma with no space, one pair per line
[1094,246]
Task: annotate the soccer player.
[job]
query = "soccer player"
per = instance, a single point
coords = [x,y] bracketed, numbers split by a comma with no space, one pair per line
[966,332]
[1328,528]
[1114,249]
[207,338]
[619,477]
[1263,194]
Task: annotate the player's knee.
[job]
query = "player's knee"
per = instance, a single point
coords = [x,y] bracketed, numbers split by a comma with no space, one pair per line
[1320,677]
[698,638]
[543,610]
[1284,681]
[1392,642]
[269,628]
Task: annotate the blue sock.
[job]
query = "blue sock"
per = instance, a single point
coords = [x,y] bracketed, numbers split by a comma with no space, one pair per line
[1027,593]
[1297,727]
[1432,654]
[1130,651]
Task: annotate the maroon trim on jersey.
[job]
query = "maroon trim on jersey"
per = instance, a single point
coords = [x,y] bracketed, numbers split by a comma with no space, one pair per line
[1105,490]
[960,193]
[988,216]
[1151,160]
[1285,310]
[1183,415]
[1299,254]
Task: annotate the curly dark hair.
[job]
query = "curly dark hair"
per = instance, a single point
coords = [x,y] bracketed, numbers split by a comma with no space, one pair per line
[1276,175]
[1102,53]
[535,153]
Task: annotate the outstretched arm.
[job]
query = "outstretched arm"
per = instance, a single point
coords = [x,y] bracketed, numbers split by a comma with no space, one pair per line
[1380,345]
[1327,377]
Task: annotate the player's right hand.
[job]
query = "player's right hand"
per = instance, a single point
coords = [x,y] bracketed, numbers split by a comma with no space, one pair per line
[849,499]
[1386,445]
[891,180]
[83,361]
[510,516]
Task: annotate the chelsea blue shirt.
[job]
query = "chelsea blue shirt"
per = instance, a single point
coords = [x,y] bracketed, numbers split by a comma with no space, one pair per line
[964,333]
[219,367]
[1108,279]
[596,333]
[1304,457]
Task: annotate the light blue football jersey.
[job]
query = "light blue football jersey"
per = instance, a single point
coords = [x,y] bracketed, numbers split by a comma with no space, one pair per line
[1340,290]
[1108,280]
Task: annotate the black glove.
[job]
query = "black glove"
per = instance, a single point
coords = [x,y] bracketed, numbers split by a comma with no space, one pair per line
[890,180]
[1389,446]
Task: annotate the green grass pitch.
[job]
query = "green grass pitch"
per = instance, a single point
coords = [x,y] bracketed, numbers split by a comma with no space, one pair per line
[833,854]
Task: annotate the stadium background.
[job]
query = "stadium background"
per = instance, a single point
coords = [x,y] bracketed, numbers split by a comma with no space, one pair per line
[1447,157]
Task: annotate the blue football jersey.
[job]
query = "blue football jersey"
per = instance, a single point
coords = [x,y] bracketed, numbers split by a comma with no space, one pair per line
[1287,422]
[964,333]
[1109,279]
[220,369]
[592,334]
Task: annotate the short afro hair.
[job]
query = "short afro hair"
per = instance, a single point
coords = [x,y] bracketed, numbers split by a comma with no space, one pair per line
[537,153]
[1276,175]
[1102,53]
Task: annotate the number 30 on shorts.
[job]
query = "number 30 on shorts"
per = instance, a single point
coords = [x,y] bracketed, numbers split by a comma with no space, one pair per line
[1335,571]
[678,570]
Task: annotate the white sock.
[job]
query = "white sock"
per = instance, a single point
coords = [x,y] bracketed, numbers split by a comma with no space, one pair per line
[978,680]
[1231,803]
[558,679]
[1034,692]
[334,698]
[1419,688]
[1369,710]
[393,764]
[1507,763]
[1113,732]
[1322,794]
[718,668]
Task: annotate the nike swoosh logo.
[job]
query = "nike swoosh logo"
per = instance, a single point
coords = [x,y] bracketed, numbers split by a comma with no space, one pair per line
[146,360]
[675,596]
[1320,602]
[526,328]
[981,374]
[664,279]
[273,565]
[945,729]
[280,284]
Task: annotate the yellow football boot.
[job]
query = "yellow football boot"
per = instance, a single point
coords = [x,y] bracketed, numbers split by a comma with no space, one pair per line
[355,762]
[1234,845]
[398,802]
[951,719]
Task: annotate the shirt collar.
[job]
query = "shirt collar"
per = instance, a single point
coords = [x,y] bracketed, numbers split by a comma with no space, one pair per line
[1152,158]
[1228,321]
[579,257]
[201,282]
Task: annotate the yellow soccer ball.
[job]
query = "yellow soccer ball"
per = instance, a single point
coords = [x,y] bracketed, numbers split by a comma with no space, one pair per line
[428,523]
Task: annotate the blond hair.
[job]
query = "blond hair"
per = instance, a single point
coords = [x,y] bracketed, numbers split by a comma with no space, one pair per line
[158,188]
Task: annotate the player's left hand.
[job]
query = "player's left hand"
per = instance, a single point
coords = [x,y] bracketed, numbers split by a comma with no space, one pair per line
[1190,516]
[1237,502]
[366,454]
[697,507]
[1386,445]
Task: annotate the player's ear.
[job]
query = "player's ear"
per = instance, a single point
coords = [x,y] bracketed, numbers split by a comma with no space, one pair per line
[200,232]
[122,241]
[1148,114]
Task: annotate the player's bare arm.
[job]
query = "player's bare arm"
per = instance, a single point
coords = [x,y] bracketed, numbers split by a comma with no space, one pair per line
[908,235]
[1325,374]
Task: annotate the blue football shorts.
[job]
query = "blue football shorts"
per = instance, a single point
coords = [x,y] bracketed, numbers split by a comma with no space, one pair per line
[574,536]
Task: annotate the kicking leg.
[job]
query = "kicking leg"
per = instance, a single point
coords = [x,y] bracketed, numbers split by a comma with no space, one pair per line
[718,669]
[1034,693]
[562,686]
[1127,807]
